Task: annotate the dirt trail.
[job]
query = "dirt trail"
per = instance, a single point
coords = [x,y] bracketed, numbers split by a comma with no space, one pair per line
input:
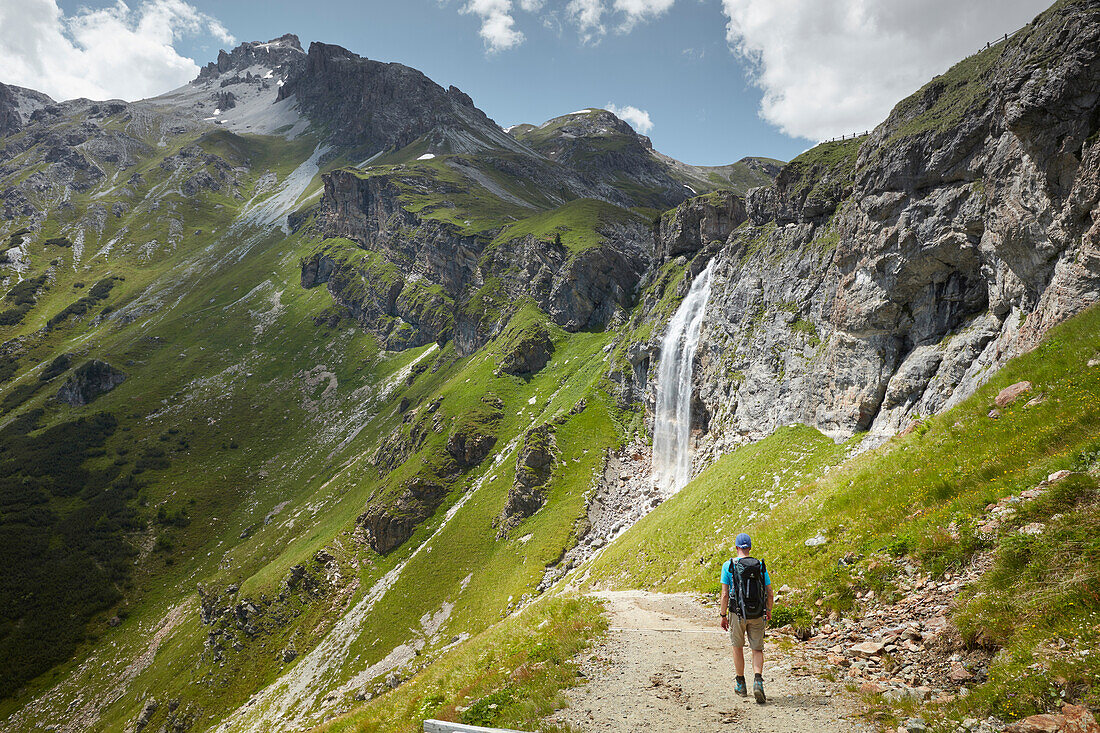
[667,667]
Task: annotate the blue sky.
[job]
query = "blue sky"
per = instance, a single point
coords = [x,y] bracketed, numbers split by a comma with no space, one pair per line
[703,107]
[718,79]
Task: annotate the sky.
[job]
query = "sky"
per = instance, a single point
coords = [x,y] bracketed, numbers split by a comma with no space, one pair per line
[710,81]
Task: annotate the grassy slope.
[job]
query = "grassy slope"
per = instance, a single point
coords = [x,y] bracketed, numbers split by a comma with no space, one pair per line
[898,499]
[229,364]
[509,675]
[901,499]
[577,224]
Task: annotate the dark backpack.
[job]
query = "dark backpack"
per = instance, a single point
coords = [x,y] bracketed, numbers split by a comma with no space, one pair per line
[748,595]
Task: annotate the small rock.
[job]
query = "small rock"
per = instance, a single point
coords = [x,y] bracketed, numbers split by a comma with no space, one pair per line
[871,688]
[959,673]
[816,541]
[1011,393]
[1058,476]
[914,725]
[868,649]
[1035,528]
[1045,723]
[994,414]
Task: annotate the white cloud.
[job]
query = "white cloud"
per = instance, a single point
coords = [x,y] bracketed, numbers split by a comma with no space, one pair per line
[497,24]
[637,118]
[637,11]
[829,68]
[105,53]
[588,17]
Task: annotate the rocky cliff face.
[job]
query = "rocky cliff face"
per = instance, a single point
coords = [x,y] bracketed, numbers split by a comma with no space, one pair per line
[10,120]
[464,286]
[283,53]
[884,278]
[379,106]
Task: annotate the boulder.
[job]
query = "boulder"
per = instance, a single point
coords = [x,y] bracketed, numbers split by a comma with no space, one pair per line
[1079,720]
[473,436]
[470,448]
[527,352]
[387,526]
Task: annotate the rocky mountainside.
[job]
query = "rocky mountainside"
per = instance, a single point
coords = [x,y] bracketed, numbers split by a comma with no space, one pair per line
[261,295]
[886,277]
[312,376]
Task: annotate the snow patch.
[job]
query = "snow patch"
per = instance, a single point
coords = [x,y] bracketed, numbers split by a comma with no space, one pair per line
[426,156]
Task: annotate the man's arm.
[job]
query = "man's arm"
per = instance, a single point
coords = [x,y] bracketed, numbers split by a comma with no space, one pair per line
[723,607]
[771,602]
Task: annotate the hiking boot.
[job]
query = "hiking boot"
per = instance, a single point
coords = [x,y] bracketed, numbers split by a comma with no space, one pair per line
[739,687]
[758,691]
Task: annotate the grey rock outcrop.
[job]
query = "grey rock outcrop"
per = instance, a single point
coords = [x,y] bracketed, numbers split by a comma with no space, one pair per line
[10,119]
[534,464]
[277,53]
[88,381]
[889,276]
[603,148]
[697,223]
[387,526]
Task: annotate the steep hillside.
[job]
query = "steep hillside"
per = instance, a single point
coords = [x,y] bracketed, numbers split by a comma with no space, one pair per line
[314,380]
[226,489]
[886,277]
[842,534]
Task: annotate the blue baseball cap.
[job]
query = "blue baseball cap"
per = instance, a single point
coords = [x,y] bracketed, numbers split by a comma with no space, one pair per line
[743,541]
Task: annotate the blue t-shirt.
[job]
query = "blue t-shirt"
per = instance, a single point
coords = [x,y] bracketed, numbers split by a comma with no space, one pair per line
[727,574]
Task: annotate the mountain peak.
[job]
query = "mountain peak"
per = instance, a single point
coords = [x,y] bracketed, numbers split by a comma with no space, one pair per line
[378,105]
[269,54]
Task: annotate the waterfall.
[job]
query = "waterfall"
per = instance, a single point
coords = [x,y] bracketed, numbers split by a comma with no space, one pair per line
[672,422]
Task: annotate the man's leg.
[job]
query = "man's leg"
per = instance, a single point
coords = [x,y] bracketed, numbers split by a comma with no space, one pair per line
[755,634]
[737,638]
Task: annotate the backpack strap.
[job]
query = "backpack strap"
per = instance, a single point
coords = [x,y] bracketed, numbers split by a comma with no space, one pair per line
[735,569]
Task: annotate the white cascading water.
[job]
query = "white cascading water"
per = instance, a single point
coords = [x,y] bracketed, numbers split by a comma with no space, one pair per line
[672,422]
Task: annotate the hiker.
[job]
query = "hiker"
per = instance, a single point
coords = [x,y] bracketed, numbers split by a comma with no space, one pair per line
[746,609]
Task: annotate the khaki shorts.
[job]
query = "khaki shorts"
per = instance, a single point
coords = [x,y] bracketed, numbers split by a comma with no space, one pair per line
[753,628]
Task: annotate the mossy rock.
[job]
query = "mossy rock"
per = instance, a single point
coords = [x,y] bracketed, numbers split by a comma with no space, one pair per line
[90,380]
[474,434]
[525,350]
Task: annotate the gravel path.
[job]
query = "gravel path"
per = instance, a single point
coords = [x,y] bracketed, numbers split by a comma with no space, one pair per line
[667,667]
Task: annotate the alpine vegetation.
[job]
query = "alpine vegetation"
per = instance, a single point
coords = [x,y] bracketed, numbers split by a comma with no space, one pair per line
[326,403]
